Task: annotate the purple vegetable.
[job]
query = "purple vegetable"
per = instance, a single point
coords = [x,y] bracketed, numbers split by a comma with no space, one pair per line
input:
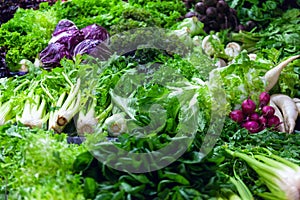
[273,121]
[101,51]
[254,117]
[69,38]
[52,54]
[268,111]
[64,25]
[86,46]
[95,32]
[252,126]
[263,120]
[264,99]
[237,116]
[248,106]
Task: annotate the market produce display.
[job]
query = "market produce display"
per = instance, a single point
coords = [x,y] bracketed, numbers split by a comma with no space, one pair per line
[209,90]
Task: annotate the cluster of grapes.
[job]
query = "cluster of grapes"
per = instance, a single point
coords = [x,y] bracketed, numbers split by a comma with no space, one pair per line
[256,119]
[216,15]
[9,7]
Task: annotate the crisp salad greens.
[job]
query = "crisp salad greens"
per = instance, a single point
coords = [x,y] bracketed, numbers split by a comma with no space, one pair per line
[36,164]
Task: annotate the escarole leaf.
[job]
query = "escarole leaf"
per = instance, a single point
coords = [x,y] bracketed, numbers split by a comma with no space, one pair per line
[242,79]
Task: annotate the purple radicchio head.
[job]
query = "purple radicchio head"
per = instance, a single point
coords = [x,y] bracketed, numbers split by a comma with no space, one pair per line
[69,38]
[95,32]
[95,48]
[64,25]
[52,54]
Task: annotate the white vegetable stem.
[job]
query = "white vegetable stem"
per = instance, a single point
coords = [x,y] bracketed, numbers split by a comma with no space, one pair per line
[288,109]
[5,109]
[67,109]
[116,124]
[272,76]
[34,112]
[278,113]
[87,120]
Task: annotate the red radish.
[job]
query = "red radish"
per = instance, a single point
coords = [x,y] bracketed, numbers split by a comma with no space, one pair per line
[254,117]
[252,126]
[273,121]
[273,74]
[237,116]
[268,111]
[248,106]
[264,99]
[263,121]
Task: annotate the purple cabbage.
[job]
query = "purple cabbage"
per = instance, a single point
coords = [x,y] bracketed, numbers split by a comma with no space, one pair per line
[95,32]
[86,46]
[64,25]
[69,38]
[95,48]
[52,54]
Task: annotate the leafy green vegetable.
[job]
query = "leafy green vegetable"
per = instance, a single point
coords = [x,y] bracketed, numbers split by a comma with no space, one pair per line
[28,33]
[242,79]
[118,16]
[278,34]
[38,164]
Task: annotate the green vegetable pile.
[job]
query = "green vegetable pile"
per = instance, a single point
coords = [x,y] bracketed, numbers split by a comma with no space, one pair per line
[60,128]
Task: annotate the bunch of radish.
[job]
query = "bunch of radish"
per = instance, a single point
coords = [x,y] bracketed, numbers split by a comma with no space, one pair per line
[256,118]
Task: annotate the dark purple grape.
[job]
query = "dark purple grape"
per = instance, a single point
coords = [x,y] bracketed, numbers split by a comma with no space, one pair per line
[233,21]
[213,25]
[220,17]
[203,18]
[209,2]
[211,12]
[200,8]
[222,6]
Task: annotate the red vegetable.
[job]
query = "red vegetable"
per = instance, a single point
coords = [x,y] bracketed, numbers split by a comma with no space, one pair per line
[248,106]
[252,126]
[273,121]
[254,117]
[263,121]
[268,111]
[237,116]
[264,99]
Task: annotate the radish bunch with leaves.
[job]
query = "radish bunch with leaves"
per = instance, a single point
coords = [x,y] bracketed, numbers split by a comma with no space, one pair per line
[256,118]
